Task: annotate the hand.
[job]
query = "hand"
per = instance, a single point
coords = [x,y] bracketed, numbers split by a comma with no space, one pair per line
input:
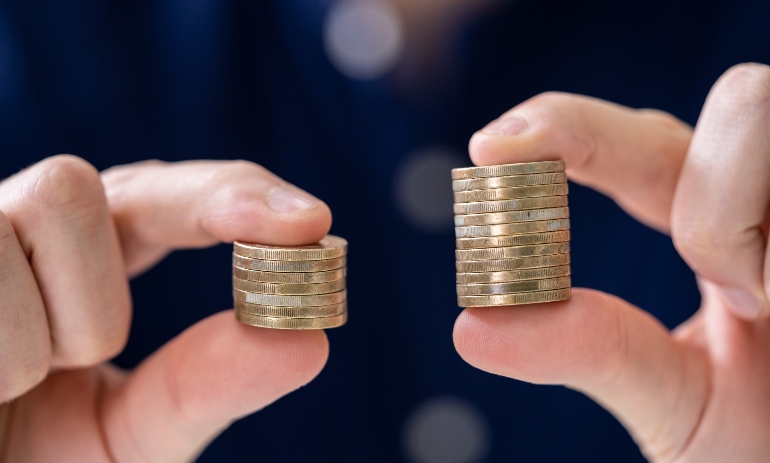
[68,242]
[702,392]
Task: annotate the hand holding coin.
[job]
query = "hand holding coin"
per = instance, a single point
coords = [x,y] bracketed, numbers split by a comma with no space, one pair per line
[69,240]
[700,393]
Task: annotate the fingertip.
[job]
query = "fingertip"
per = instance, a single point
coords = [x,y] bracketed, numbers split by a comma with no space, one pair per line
[298,356]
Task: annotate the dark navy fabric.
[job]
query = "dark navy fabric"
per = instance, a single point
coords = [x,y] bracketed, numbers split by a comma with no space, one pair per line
[117,82]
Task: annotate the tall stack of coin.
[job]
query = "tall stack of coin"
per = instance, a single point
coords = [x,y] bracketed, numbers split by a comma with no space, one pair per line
[295,288]
[512,230]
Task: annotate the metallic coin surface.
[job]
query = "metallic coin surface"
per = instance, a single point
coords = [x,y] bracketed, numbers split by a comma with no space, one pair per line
[538,273]
[329,247]
[289,277]
[279,299]
[511,252]
[288,288]
[292,323]
[289,266]
[485,207]
[512,228]
[497,194]
[509,181]
[292,312]
[512,217]
[513,287]
[512,240]
[514,299]
[501,265]
[508,169]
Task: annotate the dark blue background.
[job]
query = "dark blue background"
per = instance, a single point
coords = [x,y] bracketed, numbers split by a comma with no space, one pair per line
[116,82]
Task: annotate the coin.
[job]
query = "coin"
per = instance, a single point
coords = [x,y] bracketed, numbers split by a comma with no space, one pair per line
[289,266]
[511,217]
[292,312]
[513,287]
[512,240]
[513,275]
[497,194]
[509,181]
[279,299]
[329,247]
[514,299]
[508,169]
[484,207]
[512,228]
[511,252]
[292,323]
[500,265]
[288,288]
[289,277]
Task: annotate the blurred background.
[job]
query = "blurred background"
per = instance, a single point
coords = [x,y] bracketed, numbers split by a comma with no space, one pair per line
[368,104]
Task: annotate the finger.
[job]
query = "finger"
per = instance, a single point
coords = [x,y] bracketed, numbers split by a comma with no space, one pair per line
[633,156]
[195,386]
[60,215]
[603,346]
[25,343]
[724,190]
[159,207]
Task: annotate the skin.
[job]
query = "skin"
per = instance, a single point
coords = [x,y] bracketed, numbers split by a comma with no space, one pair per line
[70,239]
[699,393]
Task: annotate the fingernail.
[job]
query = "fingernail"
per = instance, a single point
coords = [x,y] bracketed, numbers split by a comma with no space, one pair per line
[741,302]
[288,198]
[512,125]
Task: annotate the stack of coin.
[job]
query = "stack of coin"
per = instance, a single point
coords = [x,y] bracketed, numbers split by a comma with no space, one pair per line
[295,288]
[512,230]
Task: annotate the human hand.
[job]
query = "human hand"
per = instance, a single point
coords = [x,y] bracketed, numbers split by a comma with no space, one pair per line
[702,392]
[69,240]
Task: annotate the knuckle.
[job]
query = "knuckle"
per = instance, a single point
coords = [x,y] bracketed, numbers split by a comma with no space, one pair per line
[92,350]
[551,99]
[695,242]
[24,377]
[746,85]
[66,182]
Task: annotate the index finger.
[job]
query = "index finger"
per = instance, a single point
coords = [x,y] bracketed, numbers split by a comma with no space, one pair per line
[158,207]
[632,156]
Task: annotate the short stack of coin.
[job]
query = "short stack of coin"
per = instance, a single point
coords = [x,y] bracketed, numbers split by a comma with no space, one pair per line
[295,288]
[512,234]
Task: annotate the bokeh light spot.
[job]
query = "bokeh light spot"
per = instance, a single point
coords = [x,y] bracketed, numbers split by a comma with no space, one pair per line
[446,430]
[363,38]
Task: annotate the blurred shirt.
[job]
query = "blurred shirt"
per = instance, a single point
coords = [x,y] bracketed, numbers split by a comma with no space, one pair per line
[117,82]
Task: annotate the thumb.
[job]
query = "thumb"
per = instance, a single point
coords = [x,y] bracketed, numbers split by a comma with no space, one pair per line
[603,346]
[189,391]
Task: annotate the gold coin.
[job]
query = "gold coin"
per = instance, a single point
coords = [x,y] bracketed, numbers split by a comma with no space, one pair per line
[511,217]
[288,288]
[289,277]
[501,265]
[538,273]
[292,312]
[279,299]
[289,266]
[511,252]
[329,247]
[508,169]
[514,299]
[497,194]
[513,287]
[291,323]
[485,207]
[509,181]
[512,228]
[512,240]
